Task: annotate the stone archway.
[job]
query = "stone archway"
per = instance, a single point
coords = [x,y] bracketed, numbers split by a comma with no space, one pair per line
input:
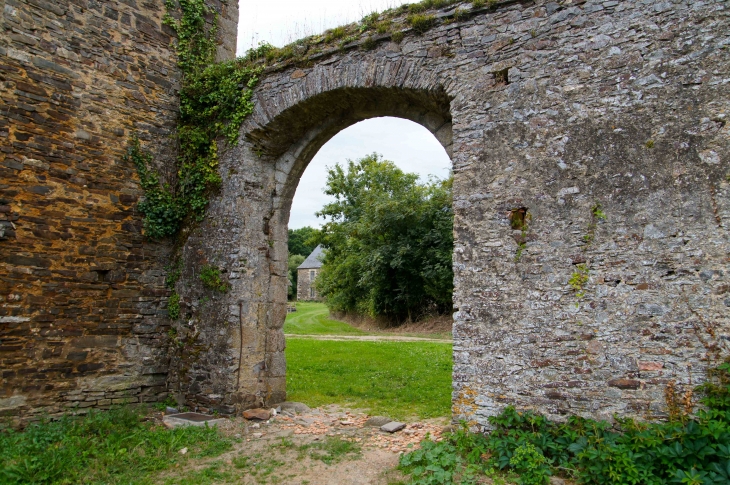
[253,211]
[534,120]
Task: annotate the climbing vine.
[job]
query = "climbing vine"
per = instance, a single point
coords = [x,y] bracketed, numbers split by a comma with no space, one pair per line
[215,98]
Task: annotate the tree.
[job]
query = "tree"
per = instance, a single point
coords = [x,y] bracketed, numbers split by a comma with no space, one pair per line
[389,241]
[302,240]
[295,260]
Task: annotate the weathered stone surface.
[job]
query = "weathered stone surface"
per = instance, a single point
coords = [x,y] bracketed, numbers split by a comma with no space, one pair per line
[557,108]
[82,294]
[554,107]
[392,427]
[377,421]
[295,407]
[257,413]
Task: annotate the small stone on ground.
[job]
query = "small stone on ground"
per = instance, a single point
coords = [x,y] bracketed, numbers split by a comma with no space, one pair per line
[377,421]
[258,413]
[392,427]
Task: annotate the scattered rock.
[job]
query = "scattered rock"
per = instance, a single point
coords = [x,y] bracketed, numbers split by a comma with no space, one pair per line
[258,413]
[449,429]
[377,421]
[295,407]
[171,410]
[392,427]
[183,451]
[257,435]
[556,481]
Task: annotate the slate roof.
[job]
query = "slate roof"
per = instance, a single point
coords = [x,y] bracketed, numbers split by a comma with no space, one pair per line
[313,261]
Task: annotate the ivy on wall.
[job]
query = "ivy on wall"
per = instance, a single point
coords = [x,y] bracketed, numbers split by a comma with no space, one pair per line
[215,98]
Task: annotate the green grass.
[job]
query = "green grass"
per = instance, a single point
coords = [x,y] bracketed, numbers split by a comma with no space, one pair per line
[312,318]
[106,447]
[397,379]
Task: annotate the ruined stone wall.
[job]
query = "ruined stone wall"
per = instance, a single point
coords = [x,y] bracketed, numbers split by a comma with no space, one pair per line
[82,298]
[566,110]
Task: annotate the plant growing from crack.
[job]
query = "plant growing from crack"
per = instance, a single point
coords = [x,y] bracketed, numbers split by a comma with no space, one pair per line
[597,214]
[211,278]
[578,280]
[519,221]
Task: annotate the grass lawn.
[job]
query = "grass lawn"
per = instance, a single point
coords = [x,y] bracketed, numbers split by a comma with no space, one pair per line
[107,447]
[312,318]
[396,379]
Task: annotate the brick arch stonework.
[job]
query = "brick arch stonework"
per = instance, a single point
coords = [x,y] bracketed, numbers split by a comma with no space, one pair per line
[605,121]
[604,107]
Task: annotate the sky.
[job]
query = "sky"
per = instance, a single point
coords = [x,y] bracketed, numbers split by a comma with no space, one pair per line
[409,145]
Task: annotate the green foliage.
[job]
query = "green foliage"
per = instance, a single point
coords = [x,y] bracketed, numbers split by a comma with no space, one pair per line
[211,278]
[215,98]
[396,379]
[162,209]
[389,242]
[173,306]
[421,23]
[457,459]
[295,260]
[530,464]
[335,34]
[578,279]
[117,446]
[397,37]
[303,240]
[688,450]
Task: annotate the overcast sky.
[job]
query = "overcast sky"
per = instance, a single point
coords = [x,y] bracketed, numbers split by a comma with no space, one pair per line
[412,147]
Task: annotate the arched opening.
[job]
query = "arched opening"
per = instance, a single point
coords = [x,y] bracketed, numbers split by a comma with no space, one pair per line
[294,138]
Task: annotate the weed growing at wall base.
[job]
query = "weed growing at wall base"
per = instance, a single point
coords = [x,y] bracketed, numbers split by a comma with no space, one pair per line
[685,450]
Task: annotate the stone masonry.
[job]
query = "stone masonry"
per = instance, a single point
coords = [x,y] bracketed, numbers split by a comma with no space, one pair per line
[590,149]
[82,298]
[555,114]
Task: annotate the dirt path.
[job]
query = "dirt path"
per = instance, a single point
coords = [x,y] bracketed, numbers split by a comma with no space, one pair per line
[371,338]
[323,446]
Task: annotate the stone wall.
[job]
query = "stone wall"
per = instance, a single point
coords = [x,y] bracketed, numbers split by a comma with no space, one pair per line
[305,285]
[82,298]
[563,112]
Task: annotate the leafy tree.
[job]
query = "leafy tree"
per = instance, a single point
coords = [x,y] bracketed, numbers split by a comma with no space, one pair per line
[294,261]
[389,241]
[302,241]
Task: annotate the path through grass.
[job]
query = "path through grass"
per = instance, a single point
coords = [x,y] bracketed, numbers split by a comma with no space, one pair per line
[312,318]
[397,379]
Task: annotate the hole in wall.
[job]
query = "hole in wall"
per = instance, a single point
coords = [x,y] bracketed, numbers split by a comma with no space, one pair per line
[501,76]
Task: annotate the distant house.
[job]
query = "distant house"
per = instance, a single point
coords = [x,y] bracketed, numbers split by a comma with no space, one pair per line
[306,274]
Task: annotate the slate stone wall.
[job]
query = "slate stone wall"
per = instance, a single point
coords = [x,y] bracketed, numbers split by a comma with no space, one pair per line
[82,298]
[602,122]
